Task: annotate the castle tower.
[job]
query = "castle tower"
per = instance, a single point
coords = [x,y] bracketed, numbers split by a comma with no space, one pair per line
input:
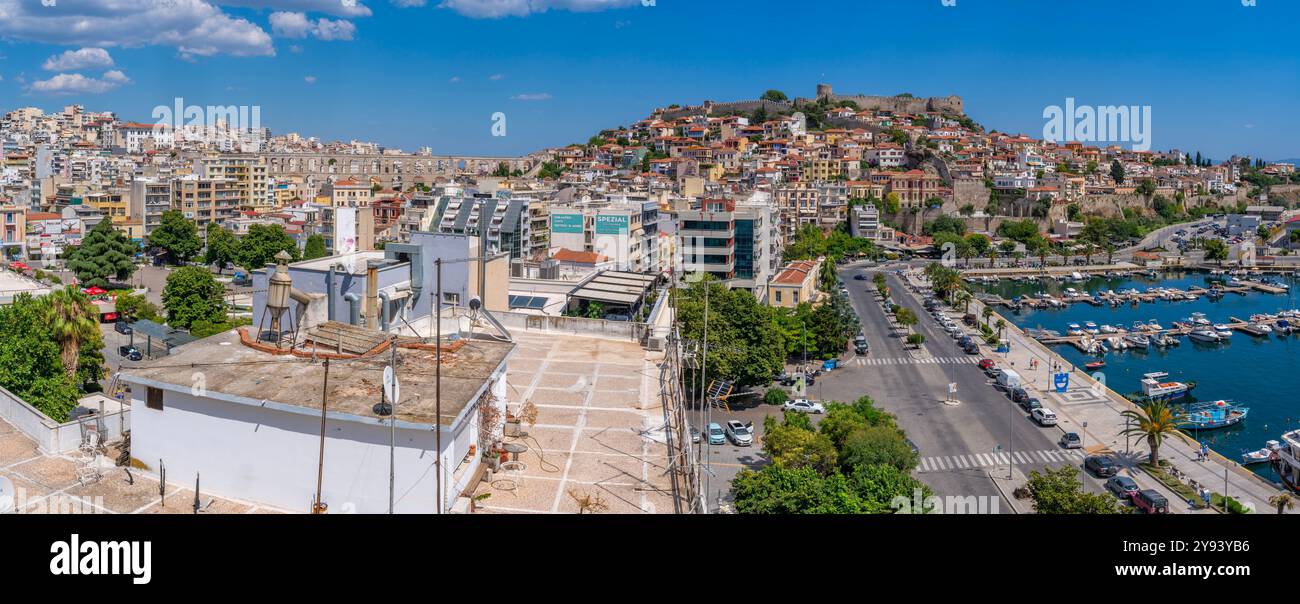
[824,91]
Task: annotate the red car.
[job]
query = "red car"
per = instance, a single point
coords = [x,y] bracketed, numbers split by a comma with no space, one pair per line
[987,364]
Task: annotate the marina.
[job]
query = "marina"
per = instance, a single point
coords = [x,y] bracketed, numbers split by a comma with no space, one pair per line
[1240,348]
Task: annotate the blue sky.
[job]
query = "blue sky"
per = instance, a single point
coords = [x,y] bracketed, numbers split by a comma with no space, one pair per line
[1220,77]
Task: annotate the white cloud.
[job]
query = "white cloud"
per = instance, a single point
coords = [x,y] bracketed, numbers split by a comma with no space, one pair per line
[496,77]
[454,79]
[337,8]
[75,83]
[73,60]
[310,79]
[540,96]
[408,3]
[496,9]
[196,28]
[297,25]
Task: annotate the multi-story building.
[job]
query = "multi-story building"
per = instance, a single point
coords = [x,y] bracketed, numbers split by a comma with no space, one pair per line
[248,173]
[914,187]
[347,193]
[113,203]
[207,200]
[504,221]
[13,230]
[736,242]
[616,232]
[149,199]
[795,284]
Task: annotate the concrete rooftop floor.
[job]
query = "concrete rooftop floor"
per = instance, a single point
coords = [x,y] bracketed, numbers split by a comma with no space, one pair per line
[47,484]
[599,429]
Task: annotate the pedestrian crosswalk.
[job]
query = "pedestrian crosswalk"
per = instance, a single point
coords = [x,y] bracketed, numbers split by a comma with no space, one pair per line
[880,361]
[951,463]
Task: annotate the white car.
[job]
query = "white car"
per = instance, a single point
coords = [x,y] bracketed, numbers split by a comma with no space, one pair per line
[1044,416]
[804,405]
[739,434]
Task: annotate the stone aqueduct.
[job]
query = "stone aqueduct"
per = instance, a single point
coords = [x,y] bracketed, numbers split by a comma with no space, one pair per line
[396,171]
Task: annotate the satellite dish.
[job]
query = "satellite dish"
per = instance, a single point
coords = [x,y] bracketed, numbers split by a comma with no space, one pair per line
[392,388]
[7,493]
[475,303]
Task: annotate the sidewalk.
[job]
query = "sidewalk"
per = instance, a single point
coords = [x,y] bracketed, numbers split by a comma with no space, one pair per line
[1093,410]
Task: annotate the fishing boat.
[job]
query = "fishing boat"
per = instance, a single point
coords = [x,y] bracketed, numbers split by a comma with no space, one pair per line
[1095,365]
[1262,455]
[1138,340]
[1205,335]
[1153,387]
[1212,416]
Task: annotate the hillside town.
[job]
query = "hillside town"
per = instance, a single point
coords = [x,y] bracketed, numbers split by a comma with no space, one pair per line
[546,315]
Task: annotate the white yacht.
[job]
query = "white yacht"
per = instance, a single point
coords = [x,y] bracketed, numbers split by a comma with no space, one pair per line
[1205,335]
[1198,318]
[1108,329]
[1091,328]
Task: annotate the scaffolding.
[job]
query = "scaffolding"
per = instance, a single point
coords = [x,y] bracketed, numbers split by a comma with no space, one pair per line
[683,466]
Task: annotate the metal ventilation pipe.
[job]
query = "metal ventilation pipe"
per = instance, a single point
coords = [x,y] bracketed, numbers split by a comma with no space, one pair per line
[372,293]
[354,308]
[385,304]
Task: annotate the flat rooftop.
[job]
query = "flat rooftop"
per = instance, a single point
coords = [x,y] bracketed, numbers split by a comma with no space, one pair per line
[355,262]
[240,374]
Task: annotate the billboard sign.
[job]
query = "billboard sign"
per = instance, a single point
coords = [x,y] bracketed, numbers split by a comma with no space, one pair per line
[566,223]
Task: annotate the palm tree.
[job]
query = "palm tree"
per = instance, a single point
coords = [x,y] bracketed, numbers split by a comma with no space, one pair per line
[963,298]
[993,256]
[1110,253]
[1155,421]
[1001,325]
[1282,501]
[987,312]
[71,316]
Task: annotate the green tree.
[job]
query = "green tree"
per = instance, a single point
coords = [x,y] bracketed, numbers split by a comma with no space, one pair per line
[1154,421]
[223,247]
[1058,491]
[193,294]
[105,253]
[31,359]
[773,95]
[744,344]
[878,445]
[781,490]
[794,446]
[776,396]
[74,321]
[314,248]
[263,241]
[137,306]
[916,340]
[1216,249]
[176,235]
[1117,172]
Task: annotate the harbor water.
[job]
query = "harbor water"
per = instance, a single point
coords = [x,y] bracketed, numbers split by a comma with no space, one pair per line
[1262,373]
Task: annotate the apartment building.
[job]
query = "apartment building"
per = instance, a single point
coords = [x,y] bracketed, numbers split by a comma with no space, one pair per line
[249,175]
[616,232]
[914,187]
[13,230]
[505,222]
[795,284]
[736,242]
[347,193]
[148,200]
[114,203]
[207,200]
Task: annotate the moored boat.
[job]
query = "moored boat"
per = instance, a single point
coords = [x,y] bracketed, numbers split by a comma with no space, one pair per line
[1154,388]
[1212,416]
[1268,453]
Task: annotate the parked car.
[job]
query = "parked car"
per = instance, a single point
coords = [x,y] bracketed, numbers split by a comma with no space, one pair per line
[988,364]
[1101,465]
[804,405]
[129,352]
[861,348]
[1150,502]
[963,341]
[970,319]
[1031,403]
[739,434]
[1071,440]
[1043,416]
[1019,395]
[859,277]
[1122,486]
[122,327]
[716,435]
[695,436]
[971,347]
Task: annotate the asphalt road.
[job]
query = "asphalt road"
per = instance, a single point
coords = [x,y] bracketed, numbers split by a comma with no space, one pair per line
[957,443]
